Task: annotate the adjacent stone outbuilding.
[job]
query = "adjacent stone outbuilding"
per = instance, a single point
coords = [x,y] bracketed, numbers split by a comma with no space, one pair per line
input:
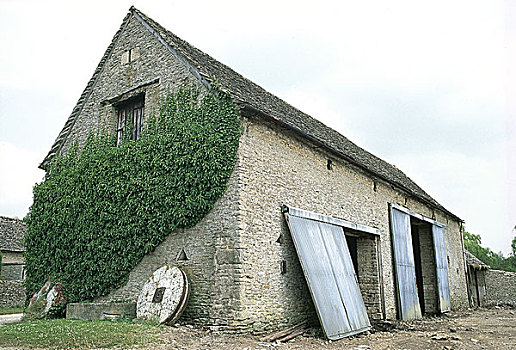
[476,279]
[12,247]
[240,259]
[487,287]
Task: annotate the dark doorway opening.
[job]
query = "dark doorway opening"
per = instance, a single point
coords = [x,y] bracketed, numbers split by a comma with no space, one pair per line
[425,266]
[352,246]
[364,256]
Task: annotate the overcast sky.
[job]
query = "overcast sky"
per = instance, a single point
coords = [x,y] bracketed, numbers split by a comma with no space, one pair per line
[425,85]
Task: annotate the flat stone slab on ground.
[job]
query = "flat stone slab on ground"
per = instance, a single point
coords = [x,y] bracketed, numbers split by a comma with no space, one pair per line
[12,318]
[100,311]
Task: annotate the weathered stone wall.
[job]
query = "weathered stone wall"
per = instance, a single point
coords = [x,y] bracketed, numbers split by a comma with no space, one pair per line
[12,293]
[12,234]
[428,268]
[280,168]
[368,275]
[12,257]
[12,272]
[500,288]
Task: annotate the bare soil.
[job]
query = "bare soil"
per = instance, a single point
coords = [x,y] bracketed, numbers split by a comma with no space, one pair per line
[472,329]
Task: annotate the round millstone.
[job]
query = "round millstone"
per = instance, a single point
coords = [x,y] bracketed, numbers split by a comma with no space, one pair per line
[164,295]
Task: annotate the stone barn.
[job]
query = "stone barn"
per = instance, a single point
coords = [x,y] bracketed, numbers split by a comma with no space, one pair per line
[311,225]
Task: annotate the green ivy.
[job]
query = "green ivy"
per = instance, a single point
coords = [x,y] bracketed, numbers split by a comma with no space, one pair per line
[101,209]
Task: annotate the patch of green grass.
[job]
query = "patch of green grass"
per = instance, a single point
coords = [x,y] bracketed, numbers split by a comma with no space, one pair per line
[74,334]
[11,310]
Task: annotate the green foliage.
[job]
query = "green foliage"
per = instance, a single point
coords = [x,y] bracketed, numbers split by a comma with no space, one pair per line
[513,244]
[101,209]
[75,334]
[495,260]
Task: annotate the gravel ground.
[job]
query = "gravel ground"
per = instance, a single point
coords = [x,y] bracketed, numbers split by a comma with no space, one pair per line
[473,329]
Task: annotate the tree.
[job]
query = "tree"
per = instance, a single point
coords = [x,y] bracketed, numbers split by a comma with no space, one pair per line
[496,261]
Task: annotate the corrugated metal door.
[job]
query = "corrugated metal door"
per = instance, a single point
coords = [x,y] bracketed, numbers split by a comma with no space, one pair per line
[327,265]
[441,265]
[408,302]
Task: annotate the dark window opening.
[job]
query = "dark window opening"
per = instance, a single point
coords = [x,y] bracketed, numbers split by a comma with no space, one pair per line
[329,164]
[130,118]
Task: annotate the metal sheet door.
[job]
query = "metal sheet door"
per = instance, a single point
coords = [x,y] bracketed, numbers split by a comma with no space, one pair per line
[330,276]
[408,301]
[441,265]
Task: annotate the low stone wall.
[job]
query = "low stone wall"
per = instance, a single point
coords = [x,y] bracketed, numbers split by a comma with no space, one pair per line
[12,293]
[500,288]
[100,311]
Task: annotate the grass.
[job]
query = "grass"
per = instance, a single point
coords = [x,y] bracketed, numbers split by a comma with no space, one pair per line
[74,334]
[11,310]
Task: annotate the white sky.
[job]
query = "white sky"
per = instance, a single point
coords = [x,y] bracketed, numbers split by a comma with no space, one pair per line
[424,85]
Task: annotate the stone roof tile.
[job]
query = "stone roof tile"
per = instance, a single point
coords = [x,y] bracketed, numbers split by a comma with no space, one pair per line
[475,262]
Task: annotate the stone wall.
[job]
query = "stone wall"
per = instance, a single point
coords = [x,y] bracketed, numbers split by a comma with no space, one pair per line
[428,268]
[280,168]
[12,234]
[368,274]
[500,288]
[12,293]
[12,272]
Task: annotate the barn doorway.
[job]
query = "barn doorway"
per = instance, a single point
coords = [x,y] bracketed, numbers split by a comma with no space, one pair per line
[363,249]
[420,264]
[424,263]
[339,260]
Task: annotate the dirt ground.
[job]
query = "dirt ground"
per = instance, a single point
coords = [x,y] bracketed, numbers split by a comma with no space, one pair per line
[473,329]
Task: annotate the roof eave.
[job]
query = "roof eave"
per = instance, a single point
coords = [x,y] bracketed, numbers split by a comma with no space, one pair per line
[250,110]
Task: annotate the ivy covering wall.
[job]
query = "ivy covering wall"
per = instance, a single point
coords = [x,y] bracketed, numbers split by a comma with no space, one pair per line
[101,209]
